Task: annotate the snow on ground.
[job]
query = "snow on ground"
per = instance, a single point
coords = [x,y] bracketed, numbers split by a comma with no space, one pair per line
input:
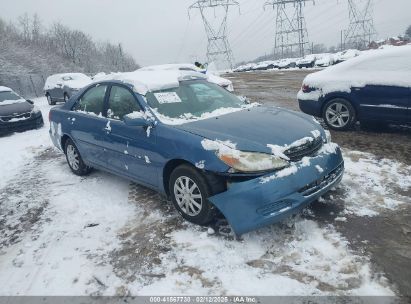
[61,234]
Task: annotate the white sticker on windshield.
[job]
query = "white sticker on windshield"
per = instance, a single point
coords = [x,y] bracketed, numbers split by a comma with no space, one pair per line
[167,97]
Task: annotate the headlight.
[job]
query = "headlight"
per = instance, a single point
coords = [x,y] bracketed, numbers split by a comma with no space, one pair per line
[35,110]
[251,161]
[327,136]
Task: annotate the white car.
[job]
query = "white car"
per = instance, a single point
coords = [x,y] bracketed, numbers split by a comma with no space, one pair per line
[286,63]
[222,82]
[345,55]
[307,61]
[325,60]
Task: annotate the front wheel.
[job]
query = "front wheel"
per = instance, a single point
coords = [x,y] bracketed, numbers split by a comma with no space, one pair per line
[74,159]
[189,191]
[339,114]
[50,101]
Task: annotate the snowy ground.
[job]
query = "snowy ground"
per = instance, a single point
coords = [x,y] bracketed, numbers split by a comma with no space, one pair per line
[102,235]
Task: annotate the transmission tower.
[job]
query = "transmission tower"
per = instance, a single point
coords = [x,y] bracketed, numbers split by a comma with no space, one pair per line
[291,36]
[218,48]
[361,29]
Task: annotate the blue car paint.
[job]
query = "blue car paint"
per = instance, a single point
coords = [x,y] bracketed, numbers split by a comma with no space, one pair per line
[250,197]
[371,102]
[132,153]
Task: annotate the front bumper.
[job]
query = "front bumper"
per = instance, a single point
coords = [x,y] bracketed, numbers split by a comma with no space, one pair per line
[256,203]
[34,122]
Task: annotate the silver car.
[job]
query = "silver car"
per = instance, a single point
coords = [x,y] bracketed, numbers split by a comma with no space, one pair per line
[60,87]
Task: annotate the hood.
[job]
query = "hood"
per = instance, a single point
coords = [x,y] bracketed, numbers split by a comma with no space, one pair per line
[253,129]
[13,109]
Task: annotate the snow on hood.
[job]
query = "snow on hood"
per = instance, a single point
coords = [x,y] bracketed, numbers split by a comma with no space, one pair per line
[257,129]
[153,80]
[71,80]
[377,67]
[11,102]
[5,89]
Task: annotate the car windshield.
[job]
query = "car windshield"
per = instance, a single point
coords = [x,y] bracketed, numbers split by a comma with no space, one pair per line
[8,95]
[192,99]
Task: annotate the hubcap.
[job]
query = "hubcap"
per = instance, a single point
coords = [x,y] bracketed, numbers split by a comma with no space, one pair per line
[337,115]
[72,157]
[66,98]
[188,196]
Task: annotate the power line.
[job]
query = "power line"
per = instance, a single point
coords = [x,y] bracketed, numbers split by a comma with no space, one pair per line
[361,29]
[218,47]
[291,31]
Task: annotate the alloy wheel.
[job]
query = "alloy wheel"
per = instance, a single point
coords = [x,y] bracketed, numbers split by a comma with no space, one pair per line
[337,115]
[73,157]
[188,196]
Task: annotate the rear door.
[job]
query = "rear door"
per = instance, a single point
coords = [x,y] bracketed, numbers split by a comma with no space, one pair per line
[131,151]
[88,124]
[382,98]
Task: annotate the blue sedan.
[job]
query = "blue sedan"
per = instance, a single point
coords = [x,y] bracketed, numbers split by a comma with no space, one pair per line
[373,88]
[207,150]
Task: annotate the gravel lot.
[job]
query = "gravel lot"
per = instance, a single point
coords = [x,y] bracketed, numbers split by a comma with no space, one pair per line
[386,237]
[102,235]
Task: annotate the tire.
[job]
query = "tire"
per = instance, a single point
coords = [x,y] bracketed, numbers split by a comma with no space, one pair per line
[201,213]
[74,159]
[339,114]
[49,100]
[66,97]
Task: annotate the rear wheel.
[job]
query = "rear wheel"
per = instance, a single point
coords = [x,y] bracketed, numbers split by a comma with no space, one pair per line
[74,159]
[189,191]
[50,101]
[339,114]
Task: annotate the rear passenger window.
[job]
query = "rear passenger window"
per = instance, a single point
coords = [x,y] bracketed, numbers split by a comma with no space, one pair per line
[92,101]
[121,103]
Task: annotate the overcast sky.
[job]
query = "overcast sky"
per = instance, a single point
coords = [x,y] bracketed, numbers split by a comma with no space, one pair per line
[160,31]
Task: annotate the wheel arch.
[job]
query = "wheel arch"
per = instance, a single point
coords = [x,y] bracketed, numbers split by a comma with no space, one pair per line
[346,97]
[169,168]
[63,141]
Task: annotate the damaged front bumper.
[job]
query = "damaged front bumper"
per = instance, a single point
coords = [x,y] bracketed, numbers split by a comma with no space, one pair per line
[265,200]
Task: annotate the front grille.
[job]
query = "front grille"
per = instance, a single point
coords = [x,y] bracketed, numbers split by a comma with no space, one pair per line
[273,208]
[307,149]
[322,182]
[20,116]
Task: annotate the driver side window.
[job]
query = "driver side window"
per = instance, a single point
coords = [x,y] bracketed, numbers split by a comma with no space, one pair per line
[121,103]
[92,101]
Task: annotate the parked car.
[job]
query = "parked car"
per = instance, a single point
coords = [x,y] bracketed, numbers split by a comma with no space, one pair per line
[60,87]
[200,145]
[345,55]
[287,63]
[325,60]
[372,88]
[223,82]
[16,113]
[307,61]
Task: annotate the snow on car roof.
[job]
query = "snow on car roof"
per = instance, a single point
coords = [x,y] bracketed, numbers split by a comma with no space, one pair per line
[5,89]
[147,81]
[77,81]
[171,66]
[375,67]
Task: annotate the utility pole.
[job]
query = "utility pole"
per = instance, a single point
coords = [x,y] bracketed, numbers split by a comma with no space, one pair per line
[291,36]
[361,30]
[218,47]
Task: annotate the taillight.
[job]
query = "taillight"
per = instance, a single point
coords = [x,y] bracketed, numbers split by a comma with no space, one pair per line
[50,116]
[307,89]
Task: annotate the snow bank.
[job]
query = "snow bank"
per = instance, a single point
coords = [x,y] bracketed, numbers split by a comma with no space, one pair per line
[390,67]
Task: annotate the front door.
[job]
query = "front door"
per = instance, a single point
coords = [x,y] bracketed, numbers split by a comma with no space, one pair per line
[88,125]
[130,150]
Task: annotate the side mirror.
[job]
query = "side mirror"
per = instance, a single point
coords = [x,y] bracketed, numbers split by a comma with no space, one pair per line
[30,101]
[136,121]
